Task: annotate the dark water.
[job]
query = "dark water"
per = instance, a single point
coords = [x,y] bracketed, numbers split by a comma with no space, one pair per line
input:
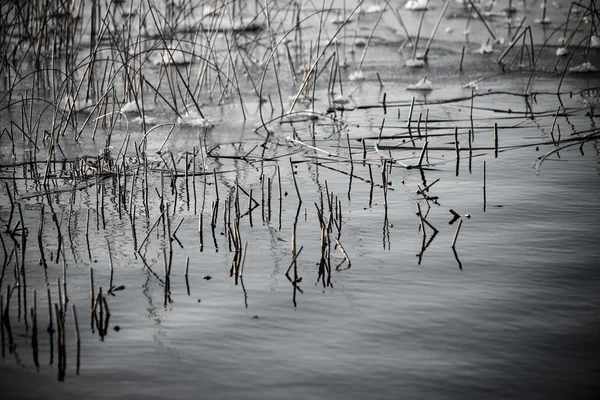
[512,312]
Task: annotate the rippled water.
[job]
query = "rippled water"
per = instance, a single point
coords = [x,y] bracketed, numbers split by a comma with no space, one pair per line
[513,312]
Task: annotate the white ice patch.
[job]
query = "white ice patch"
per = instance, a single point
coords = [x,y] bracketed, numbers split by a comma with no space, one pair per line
[423,85]
[357,76]
[416,5]
[416,63]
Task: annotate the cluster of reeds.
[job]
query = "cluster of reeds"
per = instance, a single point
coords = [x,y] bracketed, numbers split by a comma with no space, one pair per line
[57,318]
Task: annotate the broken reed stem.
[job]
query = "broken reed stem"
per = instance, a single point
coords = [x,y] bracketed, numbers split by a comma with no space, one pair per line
[187,265]
[456,148]
[456,233]
[343,252]
[349,152]
[423,151]
[410,112]
[462,57]
[295,182]
[435,28]
[495,140]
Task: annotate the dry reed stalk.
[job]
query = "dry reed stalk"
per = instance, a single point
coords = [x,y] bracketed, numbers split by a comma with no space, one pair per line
[414,55]
[484,187]
[483,21]
[410,112]
[160,217]
[133,233]
[495,140]
[435,28]
[456,233]
[422,155]
[344,253]
[349,152]
[295,256]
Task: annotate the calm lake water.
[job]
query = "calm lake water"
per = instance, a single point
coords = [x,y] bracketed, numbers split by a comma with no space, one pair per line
[512,311]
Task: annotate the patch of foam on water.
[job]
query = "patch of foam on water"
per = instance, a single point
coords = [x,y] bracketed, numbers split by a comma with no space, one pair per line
[595,41]
[584,68]
[561,51]
[485,48]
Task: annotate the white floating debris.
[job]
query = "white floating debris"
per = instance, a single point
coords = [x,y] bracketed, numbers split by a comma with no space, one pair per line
[543,21]
[485,48]
[595,41]
[357,76]
[423,85]
[561,51]
[194,119]
[415,63]
[449,29]
[471,85]
[416,5]
[583,68]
